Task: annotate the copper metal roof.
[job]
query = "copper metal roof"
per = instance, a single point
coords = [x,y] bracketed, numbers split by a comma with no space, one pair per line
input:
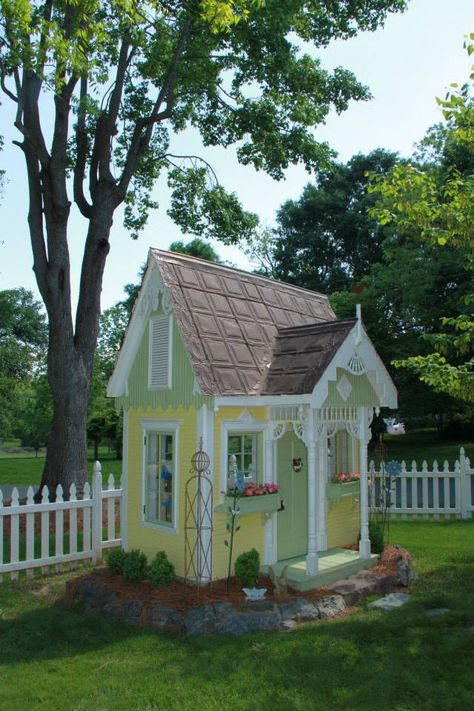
[302,354]
[229,320]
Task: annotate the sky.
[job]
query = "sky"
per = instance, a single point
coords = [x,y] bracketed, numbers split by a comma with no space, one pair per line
[406,64]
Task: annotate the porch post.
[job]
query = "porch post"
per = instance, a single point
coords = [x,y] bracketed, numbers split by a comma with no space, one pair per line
[312,555]
[322,476]
[364,543]
[269,475]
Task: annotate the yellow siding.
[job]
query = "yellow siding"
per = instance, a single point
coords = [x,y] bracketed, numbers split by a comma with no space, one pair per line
[149,539]
[141,535]
[343,522]
[251,533]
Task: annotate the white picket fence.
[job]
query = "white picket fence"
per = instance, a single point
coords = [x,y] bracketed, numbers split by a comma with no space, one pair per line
[86,536]
[434,492]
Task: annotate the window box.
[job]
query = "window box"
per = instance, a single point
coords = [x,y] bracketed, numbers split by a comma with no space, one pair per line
[263,503]
[335,492]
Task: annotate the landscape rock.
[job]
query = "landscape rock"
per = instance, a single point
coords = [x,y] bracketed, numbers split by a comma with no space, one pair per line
[330,606]
[300,609]
[165,619]
[390,602]
[437,611]
[201,620]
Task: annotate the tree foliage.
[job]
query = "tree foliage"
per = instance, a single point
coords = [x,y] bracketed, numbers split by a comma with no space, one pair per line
[325,240]
[436,203]
[120,78]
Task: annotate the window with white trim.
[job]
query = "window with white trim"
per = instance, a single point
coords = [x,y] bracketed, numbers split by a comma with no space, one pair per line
[160,345]
[160,460]
[242,453]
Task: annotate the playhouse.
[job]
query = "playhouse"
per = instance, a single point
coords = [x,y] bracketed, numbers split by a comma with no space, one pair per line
[274,389]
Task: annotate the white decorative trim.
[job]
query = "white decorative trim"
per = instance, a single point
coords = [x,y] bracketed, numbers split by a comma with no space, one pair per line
[246,417]
[299,430]
[356,365]
[124,484]
[376,371]
[344,387]
[278,430]
[152,292]
[353,429]
[167,427]
[228,427]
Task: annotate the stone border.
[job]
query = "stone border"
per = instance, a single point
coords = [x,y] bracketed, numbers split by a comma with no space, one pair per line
[227,618]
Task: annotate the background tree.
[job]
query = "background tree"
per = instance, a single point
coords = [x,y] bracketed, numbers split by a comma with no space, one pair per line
[133,74]
[23,338]
[196,248]
[437,203]
[326,240]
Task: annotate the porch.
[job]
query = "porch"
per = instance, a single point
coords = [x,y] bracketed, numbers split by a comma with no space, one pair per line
[333,565]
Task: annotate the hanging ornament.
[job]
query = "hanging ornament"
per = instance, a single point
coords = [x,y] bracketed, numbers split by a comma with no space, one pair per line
[297,464]
[394,427]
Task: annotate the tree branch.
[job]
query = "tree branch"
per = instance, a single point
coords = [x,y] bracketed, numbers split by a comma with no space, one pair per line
[141,138]
[81,153]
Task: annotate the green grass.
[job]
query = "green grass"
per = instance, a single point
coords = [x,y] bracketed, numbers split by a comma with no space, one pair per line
[24,471]
[423,444]
[52,657]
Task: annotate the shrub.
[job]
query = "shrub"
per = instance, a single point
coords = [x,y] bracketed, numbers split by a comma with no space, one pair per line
[115,560]
[161,571]
[134,565]
[376,537]
[247,568]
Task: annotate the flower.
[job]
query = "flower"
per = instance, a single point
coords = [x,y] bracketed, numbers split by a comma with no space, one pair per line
[344,477]
[253,489]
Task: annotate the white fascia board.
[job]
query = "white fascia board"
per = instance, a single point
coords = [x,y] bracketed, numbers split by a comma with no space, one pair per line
[260,400]
[143,306]
[375,370]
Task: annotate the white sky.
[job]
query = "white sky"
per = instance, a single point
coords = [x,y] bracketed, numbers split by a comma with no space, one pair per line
[406,64]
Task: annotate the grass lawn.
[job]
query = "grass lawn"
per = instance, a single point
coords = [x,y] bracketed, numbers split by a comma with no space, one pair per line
[24,471]
[57,658]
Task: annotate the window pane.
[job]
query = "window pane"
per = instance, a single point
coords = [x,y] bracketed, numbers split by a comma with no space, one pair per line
[159,478]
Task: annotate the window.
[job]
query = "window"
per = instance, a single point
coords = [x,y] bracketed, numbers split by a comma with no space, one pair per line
[159,361]
[160,477]
[242,455]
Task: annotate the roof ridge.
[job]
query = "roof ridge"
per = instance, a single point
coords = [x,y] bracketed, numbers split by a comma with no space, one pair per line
[235,270]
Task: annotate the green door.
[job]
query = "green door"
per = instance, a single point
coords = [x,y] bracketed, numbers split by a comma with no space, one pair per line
[292,539]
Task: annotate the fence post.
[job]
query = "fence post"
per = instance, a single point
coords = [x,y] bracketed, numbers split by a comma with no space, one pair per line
[96,513]
[465,487]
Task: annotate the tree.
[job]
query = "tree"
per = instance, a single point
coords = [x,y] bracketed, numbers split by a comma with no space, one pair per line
[325,240]
[437,204]
[196,248]
[132,74]
[23,337]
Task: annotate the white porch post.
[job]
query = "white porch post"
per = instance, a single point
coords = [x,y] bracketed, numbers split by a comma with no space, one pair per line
[364,543]
[322,476]
[313,488]
[270,551]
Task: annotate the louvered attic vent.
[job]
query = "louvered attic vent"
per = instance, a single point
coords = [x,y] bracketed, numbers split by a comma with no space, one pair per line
[159,369]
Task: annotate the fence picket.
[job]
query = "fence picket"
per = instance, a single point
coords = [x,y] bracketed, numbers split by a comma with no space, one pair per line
[31,511]
[59,526]
[111,510]
[30,530]
[73,521]
[430,492]
[45,529]
[15,533]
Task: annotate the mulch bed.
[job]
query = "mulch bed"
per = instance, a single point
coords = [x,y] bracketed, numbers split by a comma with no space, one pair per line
[181,598]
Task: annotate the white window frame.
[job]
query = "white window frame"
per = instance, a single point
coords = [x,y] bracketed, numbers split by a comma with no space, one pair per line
[229,428]
[163,318]
[165,427]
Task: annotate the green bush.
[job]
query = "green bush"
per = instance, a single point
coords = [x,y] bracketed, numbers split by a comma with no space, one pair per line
[161,571]
[376,537]
[115,560]
[134,565]
[247,568]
